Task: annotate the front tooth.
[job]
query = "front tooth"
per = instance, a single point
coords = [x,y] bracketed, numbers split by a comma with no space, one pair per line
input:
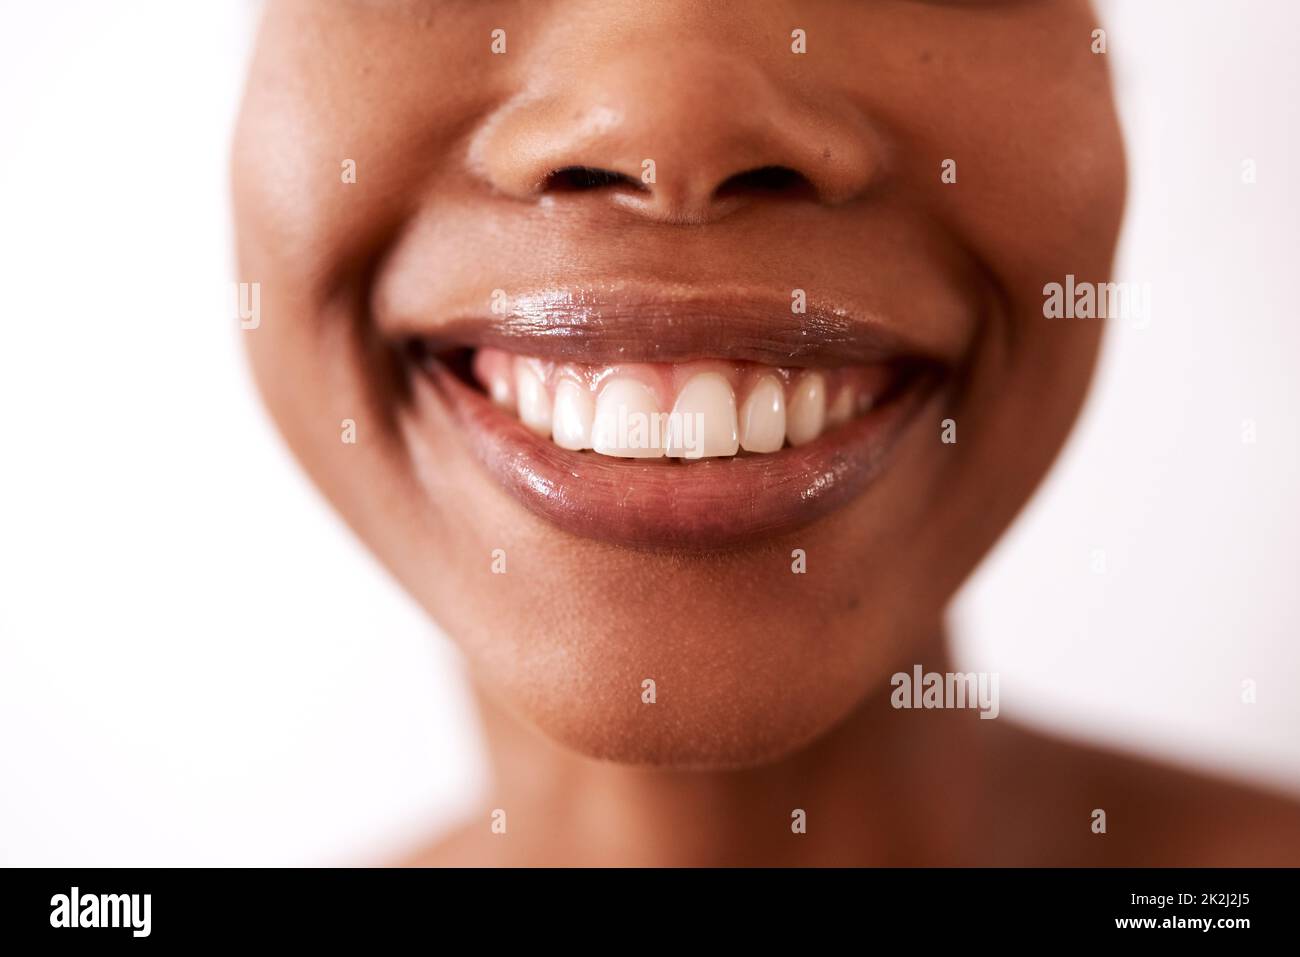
[841,410]
[762,417]
[627,423]
[503,391]
[496,371]
[574,411]
[807,410]
[703,423]
[534,403]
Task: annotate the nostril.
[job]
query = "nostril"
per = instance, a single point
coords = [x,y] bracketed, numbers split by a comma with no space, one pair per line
[572,179]
[775,180]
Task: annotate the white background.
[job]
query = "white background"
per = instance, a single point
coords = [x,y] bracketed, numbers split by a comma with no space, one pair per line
[198,665]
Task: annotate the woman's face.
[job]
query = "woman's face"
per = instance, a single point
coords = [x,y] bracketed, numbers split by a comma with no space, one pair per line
[479,251]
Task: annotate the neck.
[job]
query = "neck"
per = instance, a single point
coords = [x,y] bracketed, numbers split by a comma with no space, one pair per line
[885,786]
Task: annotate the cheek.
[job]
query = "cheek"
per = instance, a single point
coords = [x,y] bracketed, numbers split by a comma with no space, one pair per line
[1043,184]
[1003,130]
[1037,196]
[353,114]
[325,167]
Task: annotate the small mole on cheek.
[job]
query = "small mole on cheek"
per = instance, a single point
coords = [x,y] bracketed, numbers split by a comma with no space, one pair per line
[826,153]
[925,56]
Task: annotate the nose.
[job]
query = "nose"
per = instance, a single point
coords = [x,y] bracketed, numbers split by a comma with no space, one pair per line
[676,135]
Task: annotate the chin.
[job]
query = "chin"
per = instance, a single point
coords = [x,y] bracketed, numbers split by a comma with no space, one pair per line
[734,678]
[698,722]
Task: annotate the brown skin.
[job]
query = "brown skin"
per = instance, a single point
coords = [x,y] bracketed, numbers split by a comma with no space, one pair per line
[784,678]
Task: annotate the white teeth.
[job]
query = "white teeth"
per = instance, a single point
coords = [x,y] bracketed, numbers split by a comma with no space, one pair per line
[807,411]
[841,410]
[703,422]
[628,423]
[573,415]
[534,402]
[496,371]
[622,410]
[502,391]
[762,417]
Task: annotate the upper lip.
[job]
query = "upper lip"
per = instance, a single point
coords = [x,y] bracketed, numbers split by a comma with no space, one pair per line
[628,323]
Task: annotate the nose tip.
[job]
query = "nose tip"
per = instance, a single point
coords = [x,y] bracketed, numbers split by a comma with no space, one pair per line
[716,137]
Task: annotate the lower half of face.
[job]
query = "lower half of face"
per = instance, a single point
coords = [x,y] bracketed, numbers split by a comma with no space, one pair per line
[676,346]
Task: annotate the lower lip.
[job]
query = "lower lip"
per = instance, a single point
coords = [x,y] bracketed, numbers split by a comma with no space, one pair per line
[664,503]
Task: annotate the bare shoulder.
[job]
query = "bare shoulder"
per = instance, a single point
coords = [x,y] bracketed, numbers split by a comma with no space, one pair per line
[1101,806]
[1051,801]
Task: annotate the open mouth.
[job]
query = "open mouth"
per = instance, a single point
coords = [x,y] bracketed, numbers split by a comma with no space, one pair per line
[660,428]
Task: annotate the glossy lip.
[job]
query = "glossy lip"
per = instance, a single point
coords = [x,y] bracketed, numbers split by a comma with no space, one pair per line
[626,322]
[664,503]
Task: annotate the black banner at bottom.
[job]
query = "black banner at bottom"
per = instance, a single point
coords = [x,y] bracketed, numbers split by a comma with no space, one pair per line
[362,907]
